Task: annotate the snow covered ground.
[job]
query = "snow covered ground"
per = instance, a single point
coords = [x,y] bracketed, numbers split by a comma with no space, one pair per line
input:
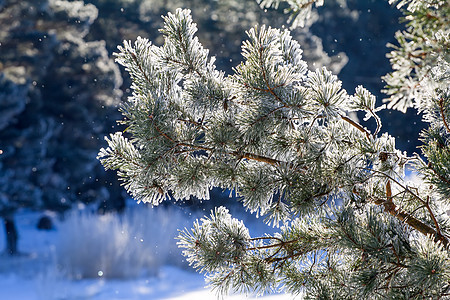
[171,284]
[33,276]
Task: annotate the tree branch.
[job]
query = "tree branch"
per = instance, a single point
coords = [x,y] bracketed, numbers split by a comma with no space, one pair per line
[430,166]
[356,125]
[441,108]
[236,153]
[392,209]
[427,205]
[405,188]
[140,67]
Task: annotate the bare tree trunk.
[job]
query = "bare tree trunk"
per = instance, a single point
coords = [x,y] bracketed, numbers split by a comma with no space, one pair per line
[11,236]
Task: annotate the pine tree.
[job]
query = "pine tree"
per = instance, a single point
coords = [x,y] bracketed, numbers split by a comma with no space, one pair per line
[351,224]
[55,89]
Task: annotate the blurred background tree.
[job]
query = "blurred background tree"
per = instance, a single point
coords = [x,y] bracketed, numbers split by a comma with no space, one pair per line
[56,89]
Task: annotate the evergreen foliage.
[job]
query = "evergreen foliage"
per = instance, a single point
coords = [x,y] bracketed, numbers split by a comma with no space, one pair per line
[299,11]
[420,61]
[279,136]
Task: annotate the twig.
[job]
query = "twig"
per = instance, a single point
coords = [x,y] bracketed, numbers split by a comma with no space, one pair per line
[427,205]
[357,126]
[270,89]
[246,155]
[441,107]
[405,188]
[388,191]
[430,166]
[392,209]
[266,238]
[266,115]
[140,67]
[185,50]
[280,244]
[164,134]
[377,120]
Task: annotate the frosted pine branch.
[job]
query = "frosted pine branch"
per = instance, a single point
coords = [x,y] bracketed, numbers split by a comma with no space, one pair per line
[280,138]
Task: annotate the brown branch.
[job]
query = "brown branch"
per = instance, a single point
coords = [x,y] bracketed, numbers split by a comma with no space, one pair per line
[140,67]
[405,188]
[388,191]
[239,154]
[430,166]
[265,247]
[427,205]
[266,115]
[312,123]
[357,126]
[396,254]
[191,122]
[441,107]
[256,157]
[270,89]
[308,3]
[314,262]
[392,209]
[189,66]
[281,244]
[266,238]
[277,259]
[164,134]
[261,89]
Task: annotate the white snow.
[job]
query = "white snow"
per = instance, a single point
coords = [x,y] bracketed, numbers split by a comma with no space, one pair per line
[171,284]
[34,276]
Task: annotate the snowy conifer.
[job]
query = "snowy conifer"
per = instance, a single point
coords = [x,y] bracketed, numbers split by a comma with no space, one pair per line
[279,136]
